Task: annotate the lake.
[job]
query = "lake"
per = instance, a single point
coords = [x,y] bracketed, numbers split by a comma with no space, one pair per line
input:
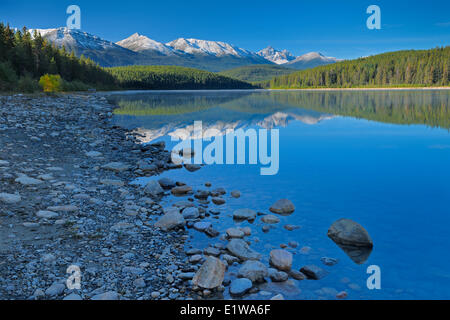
[380,158]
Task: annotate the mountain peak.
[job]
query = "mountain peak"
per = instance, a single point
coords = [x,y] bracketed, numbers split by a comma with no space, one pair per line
[208,47]
[138,43]
[276,56]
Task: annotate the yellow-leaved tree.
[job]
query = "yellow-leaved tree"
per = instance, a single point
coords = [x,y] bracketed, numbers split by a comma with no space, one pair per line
[50,82]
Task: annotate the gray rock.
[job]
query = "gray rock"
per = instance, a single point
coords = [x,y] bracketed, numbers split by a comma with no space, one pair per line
[172,219]
[167,183]
[27,181]
[55,289]
[329,261]
[240,286]
[244,214]
[349,232]
[182,190]
[253,270]
[283,206]
[116,166]
[217,200]
[314,272]
[281,259]
[153,188]
[10,198]
[210,275]
[73,297]
[108,296]
[297,275]
[235,233]
[241,249]
[202,226]
[192,167]
[191,213]
[277,297]
[46,214]
[277,276]
[270,219]
[236,194]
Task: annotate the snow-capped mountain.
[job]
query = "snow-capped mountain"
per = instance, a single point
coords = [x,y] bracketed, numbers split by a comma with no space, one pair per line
[310,60]
[276,56]
[202,54]
[105,53]
[140,43]
[214,48]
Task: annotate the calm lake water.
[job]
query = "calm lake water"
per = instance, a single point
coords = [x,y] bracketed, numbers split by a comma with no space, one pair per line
[381,158]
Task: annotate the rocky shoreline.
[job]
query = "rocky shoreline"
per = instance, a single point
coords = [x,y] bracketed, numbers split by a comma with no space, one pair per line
[65,200]
[69,202]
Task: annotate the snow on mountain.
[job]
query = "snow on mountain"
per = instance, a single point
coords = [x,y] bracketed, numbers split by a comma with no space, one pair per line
[276,56]
[105,53]
[72,37]
[139,43]
[310,60]
[195,53]
[215,48]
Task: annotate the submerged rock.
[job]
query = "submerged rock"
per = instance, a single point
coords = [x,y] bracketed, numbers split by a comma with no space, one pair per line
[254,270]
[314,272]
[240,286]
[211,274]
[192,167]
[167,183]
[241,249]
[282,206]
[277,276]
[349,232]
[191,213]
[244,214]
[270,219]
[281,259]
[181,190]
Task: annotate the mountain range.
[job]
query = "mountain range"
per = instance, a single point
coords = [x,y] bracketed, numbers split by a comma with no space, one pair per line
[202,54]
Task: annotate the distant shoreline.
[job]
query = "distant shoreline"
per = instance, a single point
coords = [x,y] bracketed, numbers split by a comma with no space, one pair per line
[364,89]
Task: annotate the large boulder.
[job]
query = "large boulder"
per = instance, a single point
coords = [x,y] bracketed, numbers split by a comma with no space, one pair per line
[254,270]
[239,248]
[350,233]
[211,274]
[281,259]
[282,206]
[172,219]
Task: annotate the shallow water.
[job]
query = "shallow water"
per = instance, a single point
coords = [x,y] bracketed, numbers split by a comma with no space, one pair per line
[380,158]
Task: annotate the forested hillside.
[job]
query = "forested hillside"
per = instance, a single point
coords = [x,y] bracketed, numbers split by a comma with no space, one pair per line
[400,68]
[256,73]
[172,77]
[25,58]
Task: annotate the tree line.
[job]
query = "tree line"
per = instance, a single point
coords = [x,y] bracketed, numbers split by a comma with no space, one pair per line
[400,68]
[172,77]
[25,57]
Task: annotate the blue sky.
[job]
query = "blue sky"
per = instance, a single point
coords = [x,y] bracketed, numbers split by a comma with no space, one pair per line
[335,28]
